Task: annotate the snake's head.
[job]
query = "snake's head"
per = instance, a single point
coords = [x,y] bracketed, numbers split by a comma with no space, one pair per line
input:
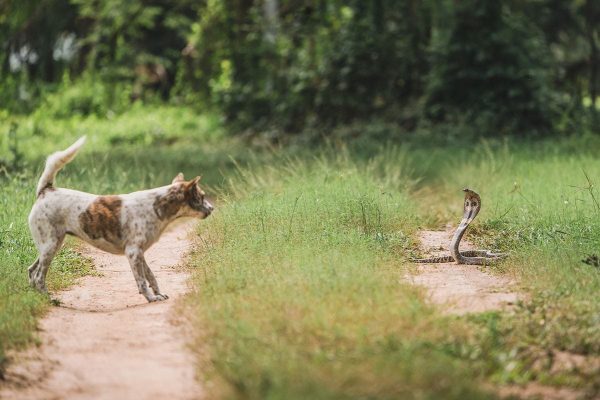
[472,204]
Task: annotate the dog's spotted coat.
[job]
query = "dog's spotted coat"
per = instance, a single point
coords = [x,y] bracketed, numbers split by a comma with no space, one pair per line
[121,224]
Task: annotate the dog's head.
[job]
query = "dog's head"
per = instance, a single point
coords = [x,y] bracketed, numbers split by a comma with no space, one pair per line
[196,203]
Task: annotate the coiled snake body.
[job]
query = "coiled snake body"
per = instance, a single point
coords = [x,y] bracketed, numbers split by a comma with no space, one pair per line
[472,206]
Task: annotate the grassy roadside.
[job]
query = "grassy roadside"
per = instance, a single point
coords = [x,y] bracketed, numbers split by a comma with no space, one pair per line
[300,290]
[295,303]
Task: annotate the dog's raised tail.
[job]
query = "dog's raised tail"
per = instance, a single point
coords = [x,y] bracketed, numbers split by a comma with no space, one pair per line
[55,162]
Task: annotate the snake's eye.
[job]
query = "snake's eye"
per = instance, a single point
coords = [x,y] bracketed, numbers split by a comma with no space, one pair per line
[474,204]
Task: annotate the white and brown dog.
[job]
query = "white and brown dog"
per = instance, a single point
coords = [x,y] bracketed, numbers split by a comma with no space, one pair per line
[120,224]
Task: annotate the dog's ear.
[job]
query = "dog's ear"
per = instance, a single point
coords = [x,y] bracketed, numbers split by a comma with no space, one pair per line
[178,178]
[192,184]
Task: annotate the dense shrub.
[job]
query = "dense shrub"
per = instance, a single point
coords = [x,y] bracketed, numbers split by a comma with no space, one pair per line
[283,66]
[491,68]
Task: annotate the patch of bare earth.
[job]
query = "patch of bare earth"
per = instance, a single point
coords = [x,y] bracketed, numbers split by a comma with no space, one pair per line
[538,392]
[460,289]
[106,342]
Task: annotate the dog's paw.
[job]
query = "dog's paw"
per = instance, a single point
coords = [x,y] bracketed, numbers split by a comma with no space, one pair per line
[40,287]
[158,297]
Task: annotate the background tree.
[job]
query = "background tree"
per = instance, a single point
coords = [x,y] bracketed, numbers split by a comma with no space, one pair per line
[288,66]
[492,68]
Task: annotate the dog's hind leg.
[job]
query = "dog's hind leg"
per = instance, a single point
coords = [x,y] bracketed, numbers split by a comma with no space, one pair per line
[31,270]
[135,255]
[39,269]
[152,280]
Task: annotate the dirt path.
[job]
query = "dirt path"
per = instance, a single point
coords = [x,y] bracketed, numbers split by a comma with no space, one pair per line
[106,342]
[460,289]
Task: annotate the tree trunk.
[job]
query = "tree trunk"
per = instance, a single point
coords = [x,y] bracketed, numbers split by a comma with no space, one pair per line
[271,13]
[591,14]
[594,66]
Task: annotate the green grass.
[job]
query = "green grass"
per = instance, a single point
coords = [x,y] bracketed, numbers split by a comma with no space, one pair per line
[296,297]
[19,306]
[301,291]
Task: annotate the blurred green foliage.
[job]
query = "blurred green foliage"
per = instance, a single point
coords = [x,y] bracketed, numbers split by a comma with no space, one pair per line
[491,68]
[289,66]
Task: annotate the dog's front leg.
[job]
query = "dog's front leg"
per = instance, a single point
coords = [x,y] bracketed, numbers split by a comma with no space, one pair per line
[152,280]
[135,255]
